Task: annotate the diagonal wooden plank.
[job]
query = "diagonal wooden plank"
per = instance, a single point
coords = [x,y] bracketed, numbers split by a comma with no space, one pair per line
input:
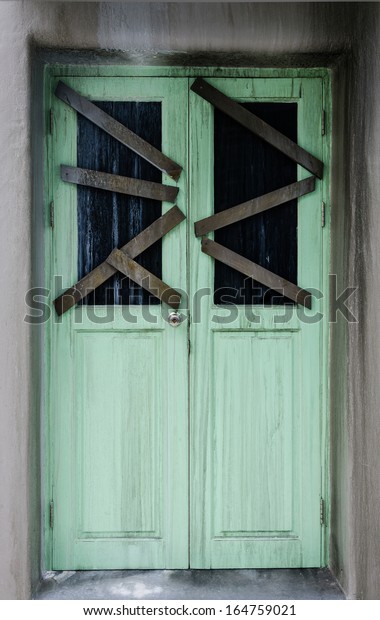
[121,261]
[257,126]
[254,271]
[133,248]
[254,206]
[117,183]
[117,130]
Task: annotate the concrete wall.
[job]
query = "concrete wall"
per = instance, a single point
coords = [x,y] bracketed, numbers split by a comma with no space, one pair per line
[356,256]
[345,36]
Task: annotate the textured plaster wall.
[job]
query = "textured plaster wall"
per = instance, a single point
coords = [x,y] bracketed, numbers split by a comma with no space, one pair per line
[272,34]
[356,258]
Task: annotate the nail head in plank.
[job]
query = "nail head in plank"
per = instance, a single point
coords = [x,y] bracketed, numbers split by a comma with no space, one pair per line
[117,183]
[253,123]
[117,130]
[133,248]
[256,272]
[121,261]
[254,206]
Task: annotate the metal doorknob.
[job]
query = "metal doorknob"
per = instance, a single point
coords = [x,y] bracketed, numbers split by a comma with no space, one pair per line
[174,319]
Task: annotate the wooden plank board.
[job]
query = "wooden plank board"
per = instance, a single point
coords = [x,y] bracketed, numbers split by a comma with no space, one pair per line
[117,130]
[117,183]
[258,273]
[133,248]
[254,206]
[257,126]
[121,261]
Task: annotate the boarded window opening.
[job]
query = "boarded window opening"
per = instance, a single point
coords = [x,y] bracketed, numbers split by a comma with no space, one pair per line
[246,167]
[108,219]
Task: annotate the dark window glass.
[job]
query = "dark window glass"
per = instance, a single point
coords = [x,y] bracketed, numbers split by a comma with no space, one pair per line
[245,167]
[106,219]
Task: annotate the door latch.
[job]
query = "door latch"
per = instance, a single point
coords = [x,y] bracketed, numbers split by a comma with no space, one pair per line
[174,319]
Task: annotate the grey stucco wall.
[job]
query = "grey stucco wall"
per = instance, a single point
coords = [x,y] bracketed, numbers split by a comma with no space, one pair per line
[345,35]
[355,391]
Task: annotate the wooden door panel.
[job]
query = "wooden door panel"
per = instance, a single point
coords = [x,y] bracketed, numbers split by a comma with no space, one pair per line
[119,421]
[255,422]
[257,553]
[256,484]
[119,430]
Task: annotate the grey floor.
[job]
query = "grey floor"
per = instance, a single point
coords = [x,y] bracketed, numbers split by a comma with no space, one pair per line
[280,584]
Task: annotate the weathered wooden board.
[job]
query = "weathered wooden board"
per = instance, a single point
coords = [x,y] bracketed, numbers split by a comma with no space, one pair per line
[254,206]
[258,273]
[117,130]
[133,248]
[117,183]
[122,262]
[257,126]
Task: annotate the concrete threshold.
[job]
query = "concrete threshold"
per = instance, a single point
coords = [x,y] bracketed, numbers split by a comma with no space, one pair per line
[247,584]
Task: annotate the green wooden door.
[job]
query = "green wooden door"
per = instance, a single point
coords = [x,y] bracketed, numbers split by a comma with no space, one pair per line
[131,487]
[119,373]
[255,373]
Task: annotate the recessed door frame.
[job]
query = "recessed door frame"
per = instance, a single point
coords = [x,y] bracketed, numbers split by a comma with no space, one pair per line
[51,73]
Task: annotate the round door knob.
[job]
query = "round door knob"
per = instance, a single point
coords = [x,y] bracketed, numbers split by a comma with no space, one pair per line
[174,319]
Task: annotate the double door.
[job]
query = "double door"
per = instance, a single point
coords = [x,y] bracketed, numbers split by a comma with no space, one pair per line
[186,436]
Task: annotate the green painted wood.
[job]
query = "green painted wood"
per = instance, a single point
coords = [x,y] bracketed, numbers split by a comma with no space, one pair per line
[119,420]
[245,506]
[110,430]
[255,469]
[255,484]
[149,69]
[325,378]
